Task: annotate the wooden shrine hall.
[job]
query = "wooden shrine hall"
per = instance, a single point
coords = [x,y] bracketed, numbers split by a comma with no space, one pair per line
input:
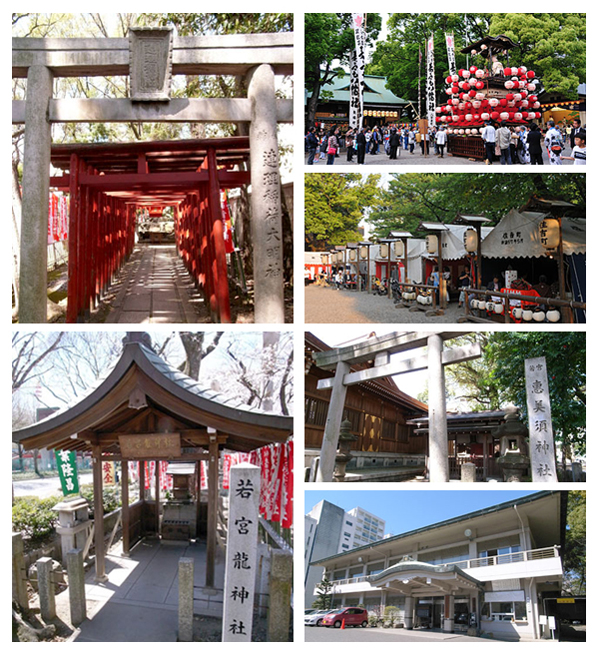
[146,410]
[109,183]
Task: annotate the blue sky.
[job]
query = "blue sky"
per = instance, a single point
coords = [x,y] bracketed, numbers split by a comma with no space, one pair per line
[409,510]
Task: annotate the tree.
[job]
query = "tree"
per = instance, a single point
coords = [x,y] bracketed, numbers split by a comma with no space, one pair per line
[259,372]
[551,44]
[397,58]
[196,350]
[329,38]
[411,198]
[574,557]
[334,205]
[498,378]
[324,595]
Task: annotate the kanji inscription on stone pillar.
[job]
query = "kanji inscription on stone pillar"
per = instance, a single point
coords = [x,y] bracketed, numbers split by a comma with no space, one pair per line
[242,550]
[150,53]
[541,434]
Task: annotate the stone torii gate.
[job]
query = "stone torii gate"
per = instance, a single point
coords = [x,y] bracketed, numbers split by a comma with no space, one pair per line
[379,350]
[150,56]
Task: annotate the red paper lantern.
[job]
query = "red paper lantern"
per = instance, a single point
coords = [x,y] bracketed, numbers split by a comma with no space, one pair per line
[510,96]
[479,85]
[473,69]
[530,75]
[495,115]
[507,71]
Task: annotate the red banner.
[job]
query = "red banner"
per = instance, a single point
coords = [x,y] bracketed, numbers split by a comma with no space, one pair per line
[58,218]
[227,229]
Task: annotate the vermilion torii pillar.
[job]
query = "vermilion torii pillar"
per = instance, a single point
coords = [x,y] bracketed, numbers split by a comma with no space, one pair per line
[379,350]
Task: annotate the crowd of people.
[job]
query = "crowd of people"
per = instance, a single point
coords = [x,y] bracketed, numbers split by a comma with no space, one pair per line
[520,144]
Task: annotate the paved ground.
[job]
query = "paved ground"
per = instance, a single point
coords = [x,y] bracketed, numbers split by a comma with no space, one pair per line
[326,305]
[139,600]
[384,635]
[44,487]
[406,159]
[154,287]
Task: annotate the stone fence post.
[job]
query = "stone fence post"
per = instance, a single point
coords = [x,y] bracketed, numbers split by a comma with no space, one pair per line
[186,598]
[76,575]
[19,577]
[242,551]
[280,596]
[46,588]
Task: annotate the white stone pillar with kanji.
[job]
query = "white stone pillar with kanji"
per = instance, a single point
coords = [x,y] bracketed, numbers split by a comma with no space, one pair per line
[242,551]
[541,433]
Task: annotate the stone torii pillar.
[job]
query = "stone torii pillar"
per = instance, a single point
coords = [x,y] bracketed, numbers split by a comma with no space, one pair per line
[379,350]
[36,185]
[266,231]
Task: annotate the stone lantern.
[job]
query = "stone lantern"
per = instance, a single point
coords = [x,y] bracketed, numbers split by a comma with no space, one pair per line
[74,524]
[514,454]
[343,455]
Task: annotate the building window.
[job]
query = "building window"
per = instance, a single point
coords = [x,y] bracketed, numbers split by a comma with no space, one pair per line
[354,417]
[315,411]
[388,430]
[504,611]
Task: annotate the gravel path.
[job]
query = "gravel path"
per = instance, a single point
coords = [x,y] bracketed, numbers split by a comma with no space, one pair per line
[326,305]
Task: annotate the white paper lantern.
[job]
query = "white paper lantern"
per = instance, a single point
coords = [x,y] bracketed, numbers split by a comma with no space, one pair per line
[470,239]
[398,247]
[494,102]
[432,244]
[353,255]
[527,315]
[498,308]
[383,250]
[479,73]
[364,252]
[517,313]
[550,233]
[553,315]
[539,316]
[485,116]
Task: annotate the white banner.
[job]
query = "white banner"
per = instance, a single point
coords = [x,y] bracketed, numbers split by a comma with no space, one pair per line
[357,72]
[430,87]
[450,50]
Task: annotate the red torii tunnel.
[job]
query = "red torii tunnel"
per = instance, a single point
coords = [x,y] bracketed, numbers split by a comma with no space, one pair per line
[107,183]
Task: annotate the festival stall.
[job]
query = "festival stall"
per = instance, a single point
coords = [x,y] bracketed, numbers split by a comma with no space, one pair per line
[487,91]
[536,254]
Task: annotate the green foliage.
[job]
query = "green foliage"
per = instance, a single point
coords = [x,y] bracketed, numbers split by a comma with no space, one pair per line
[397,58]
[334,206]
[110,501]
[498,379]
[323,589]
[34,516]
[574,557]
[551,44]
[414,197]
[327,38]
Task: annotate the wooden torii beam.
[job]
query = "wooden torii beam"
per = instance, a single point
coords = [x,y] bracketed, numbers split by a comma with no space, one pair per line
[379,350]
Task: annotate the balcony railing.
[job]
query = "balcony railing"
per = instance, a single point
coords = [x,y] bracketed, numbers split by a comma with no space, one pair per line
[492,560]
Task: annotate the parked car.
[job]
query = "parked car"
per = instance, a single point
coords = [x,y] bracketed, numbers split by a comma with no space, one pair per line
[350,616]
[315,617]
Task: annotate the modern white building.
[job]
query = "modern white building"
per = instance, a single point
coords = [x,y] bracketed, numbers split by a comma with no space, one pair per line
[329,529]
[487,571]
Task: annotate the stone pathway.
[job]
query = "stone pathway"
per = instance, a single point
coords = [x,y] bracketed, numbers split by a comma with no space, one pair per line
[139,600]
[155,287]
[326,305]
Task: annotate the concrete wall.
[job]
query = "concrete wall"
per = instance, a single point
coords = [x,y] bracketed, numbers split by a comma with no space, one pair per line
[326,540]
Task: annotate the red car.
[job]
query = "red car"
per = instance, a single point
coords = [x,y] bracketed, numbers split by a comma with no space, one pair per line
[350,616]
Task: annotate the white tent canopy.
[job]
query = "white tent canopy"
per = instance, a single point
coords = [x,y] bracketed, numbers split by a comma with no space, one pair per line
[518,235]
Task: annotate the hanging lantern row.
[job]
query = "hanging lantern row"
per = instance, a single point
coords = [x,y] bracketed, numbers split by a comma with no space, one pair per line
[381,114]
[468,102]
[537,315]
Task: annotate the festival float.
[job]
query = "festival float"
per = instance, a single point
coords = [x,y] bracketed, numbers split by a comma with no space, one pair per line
[489,90]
